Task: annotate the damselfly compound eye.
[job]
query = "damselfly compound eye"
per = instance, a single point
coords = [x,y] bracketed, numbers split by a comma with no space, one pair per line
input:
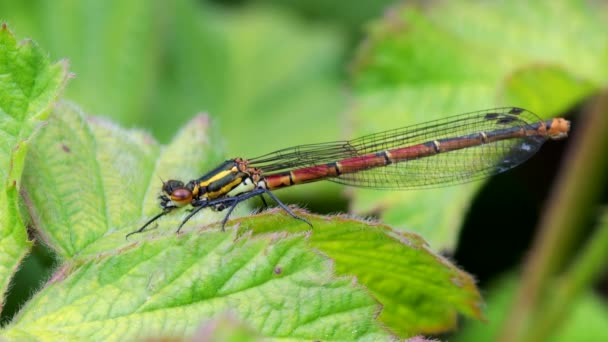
[181,197]
[177,192]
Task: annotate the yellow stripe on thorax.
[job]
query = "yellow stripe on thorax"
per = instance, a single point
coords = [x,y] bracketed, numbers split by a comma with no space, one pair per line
[225,189]
[217,177]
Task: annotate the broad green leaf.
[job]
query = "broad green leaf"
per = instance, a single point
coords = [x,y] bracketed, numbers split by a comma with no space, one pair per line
[88,181]
[94,182]
[29,85]
[425,62]
[170,285]
[421,292]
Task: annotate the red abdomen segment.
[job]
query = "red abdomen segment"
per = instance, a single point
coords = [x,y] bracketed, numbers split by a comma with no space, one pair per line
[460,158]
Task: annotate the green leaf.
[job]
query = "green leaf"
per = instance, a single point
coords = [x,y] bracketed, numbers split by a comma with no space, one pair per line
[89,183]
[425,62]
[168,286]
[421,292]
[88,179]
[29,84]
[94,182]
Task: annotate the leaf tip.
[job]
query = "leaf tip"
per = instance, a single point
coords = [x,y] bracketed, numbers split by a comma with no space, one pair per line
[64,63]
[476,304]
[202,118]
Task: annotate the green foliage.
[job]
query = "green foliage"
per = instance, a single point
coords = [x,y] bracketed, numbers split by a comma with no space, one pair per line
[257,71]
[268,79]
[424,62]
[168,286]
[112,47]
[570,311]
[587,317]
[155,65]
[91,177]
[420,290]
[29,83]
[85,190]
[150,64]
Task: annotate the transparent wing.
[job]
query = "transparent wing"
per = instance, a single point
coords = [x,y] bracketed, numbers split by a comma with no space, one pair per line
[453,167]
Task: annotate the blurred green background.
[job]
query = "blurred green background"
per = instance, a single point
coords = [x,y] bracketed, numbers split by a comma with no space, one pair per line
[272,74]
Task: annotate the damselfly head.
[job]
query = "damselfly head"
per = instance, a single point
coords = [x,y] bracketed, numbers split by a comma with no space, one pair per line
[176,193]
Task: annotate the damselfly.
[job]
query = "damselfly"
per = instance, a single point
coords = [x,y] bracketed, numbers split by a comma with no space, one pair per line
[448,151]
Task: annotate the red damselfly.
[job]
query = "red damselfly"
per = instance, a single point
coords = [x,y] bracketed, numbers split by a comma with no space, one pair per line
[448,151]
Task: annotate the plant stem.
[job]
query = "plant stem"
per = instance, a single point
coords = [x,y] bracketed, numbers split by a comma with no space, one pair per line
[591,262]
[569,208]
